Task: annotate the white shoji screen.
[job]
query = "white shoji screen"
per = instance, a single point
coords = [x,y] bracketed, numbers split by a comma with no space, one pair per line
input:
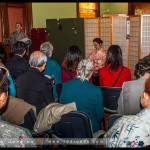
[91,32]
[134,43]
[105,32]
[145,35]
[119,36]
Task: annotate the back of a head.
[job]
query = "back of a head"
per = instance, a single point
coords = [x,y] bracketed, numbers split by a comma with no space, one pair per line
[37,59]
[143,66]
[114,57]
[46,48]
[3,54]
[3,80]
[72,58]
[19,47]
[85,67]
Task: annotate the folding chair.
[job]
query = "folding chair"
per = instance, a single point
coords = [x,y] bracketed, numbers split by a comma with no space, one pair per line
[75,125]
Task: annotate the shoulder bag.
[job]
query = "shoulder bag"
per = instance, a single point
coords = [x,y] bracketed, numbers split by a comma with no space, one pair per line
[118,77]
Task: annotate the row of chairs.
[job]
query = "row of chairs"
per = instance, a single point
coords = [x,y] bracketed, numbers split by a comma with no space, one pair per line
[73,125]
[77,124]
[110,97]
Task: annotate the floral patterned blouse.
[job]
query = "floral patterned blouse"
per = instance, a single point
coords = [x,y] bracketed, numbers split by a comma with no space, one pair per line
[130,131]
[97,57]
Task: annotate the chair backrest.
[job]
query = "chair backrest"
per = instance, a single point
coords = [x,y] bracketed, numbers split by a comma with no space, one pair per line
[110,98]
[112,119]
[29,120]
[58,89]
[74,124]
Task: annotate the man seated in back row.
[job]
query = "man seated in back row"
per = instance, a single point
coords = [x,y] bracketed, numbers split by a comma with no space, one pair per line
[32,86]
[18,64]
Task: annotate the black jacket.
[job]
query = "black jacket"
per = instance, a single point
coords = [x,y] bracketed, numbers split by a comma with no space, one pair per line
[17,65]
[36,89]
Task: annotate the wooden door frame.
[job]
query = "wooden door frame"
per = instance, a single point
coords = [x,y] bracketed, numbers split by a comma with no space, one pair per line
[28,18]
[130,9]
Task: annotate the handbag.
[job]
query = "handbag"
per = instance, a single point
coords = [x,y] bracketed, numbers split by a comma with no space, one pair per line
[118,77]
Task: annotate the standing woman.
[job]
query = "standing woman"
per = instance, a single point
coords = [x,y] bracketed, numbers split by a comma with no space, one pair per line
[114,74]
[97,57]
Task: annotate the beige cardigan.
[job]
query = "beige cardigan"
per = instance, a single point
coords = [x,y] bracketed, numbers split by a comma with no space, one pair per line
[16,110]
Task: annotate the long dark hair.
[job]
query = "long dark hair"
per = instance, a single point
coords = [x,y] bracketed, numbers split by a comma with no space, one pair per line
[72,58]
[114,58]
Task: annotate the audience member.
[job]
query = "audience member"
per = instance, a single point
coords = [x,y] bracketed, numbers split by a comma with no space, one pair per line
[113,74]
[97,57]
[16,110]
[17,64]
[52,67]
[129,100]
[11,87]
[32,86]
[18,35]
[132,130]
[70,63]
[88,97]
[11,135]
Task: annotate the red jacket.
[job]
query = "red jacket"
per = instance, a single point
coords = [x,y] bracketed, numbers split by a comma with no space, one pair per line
[108,79]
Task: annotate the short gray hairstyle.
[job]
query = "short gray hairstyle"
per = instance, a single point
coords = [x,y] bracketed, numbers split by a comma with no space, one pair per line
[37,59]
[46,48]
[85,67]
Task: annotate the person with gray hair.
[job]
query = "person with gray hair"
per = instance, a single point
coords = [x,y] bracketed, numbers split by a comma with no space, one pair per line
[84,69]
[88,97]
[32,86]
[52,68]
[38,59]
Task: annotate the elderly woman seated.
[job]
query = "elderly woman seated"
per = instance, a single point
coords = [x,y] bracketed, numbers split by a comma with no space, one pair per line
[132,130]
[88,97]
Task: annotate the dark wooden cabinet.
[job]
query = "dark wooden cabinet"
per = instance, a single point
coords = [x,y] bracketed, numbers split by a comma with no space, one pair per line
[145,7]
[10,13]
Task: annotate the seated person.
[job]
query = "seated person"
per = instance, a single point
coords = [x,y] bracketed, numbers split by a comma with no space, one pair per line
[88,97]
[129,100]
[132,130]
[52,67]
[17,64]
[97,57]
[15,110]
[11,135]
[11,87]
[109,74]
[32,86]
[70,63]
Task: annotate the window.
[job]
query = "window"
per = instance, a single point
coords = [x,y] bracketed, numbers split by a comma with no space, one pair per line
[88,10]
